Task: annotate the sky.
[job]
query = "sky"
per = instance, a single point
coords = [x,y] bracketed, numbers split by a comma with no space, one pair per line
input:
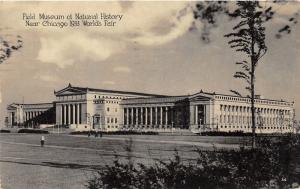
[152,49]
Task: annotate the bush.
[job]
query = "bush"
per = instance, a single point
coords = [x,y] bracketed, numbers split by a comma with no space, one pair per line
[4,131]
[264,166]
[222,133]
[115,133]
[36,131]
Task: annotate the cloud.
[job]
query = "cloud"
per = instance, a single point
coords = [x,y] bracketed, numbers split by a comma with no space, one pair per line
[122,69]
[66,50]
[178,24]
[143,23]
[108,83]
[46,77]
[167,22]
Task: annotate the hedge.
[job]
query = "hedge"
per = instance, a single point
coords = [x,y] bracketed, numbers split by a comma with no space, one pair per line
[36,131]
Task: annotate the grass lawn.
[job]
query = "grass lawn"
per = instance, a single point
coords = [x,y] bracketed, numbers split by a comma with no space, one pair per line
[68,161]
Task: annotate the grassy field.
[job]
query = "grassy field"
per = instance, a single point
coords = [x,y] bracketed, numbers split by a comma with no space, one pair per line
[68,161]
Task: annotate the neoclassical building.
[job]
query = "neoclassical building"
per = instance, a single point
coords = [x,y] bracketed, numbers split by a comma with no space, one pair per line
[109,110]
[30,115]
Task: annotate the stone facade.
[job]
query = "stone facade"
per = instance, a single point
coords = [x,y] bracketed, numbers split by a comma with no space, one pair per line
[30,115]
[110,110]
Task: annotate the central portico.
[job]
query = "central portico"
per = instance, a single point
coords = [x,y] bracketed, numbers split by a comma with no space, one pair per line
[89,108]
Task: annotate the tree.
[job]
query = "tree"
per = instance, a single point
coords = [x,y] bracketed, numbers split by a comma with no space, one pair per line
[248,37]
[7,46]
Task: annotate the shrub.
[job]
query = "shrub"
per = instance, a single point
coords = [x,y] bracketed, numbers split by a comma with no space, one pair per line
[4,131]
[115,133]
[264,166]
[36,131]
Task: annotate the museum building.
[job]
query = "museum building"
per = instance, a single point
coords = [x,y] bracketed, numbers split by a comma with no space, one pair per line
[82,108]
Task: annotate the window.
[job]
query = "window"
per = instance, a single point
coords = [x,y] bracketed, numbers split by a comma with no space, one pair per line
[116,110]
[107,120]
[112,120]
[116,120]
[107,109]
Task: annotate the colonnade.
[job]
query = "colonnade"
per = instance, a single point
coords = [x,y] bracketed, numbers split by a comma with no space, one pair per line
[29,115]
[154,117]
[239,117]
[71,114]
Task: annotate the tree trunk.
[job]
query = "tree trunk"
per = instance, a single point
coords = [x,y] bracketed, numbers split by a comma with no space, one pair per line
[252,87]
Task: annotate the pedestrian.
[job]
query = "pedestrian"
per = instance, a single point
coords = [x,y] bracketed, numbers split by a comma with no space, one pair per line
[42,141]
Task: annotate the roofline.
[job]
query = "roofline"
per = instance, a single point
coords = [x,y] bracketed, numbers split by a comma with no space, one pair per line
[86,89]
[248,97]
[32,103]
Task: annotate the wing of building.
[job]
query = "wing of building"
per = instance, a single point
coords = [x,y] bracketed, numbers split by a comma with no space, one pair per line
[110,110]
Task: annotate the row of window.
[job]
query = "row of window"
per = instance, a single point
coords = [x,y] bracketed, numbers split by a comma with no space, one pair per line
[248,127]
[108,109]
[231,108]
[111,120]
[256,100]
[71,97]
[247,119]
[109,97]
[105,101]
[112,126]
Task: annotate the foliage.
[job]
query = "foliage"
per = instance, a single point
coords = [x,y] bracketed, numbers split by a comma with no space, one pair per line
[246,168]
[4,131]
[115,132]
[209,12]
[7,46]
[37,131]
[248,37]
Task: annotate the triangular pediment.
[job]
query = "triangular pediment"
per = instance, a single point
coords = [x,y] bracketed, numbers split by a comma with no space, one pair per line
[70,91]
[12,106]
[200,97]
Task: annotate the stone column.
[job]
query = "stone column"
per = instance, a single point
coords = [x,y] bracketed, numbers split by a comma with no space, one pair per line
[156,119]
[141,116]
[136,116]
[74,112]
[196,115]
[61,115]
[65,114]
[131,116]
[127,116]
[69,114]
[161,117]
[78,113]
[166,115]
[146,115]
[151,116]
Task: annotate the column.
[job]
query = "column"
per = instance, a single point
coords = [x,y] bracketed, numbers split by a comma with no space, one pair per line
[69,114]
[78,113]
[61,115]
[74,112]
[204,115]
[196,115]
[131,116]
[127,116]
[161,116]
[156,112]
[167,116]
[151,117]
[141,116]
[65,114]
[146,116]
[136,116]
